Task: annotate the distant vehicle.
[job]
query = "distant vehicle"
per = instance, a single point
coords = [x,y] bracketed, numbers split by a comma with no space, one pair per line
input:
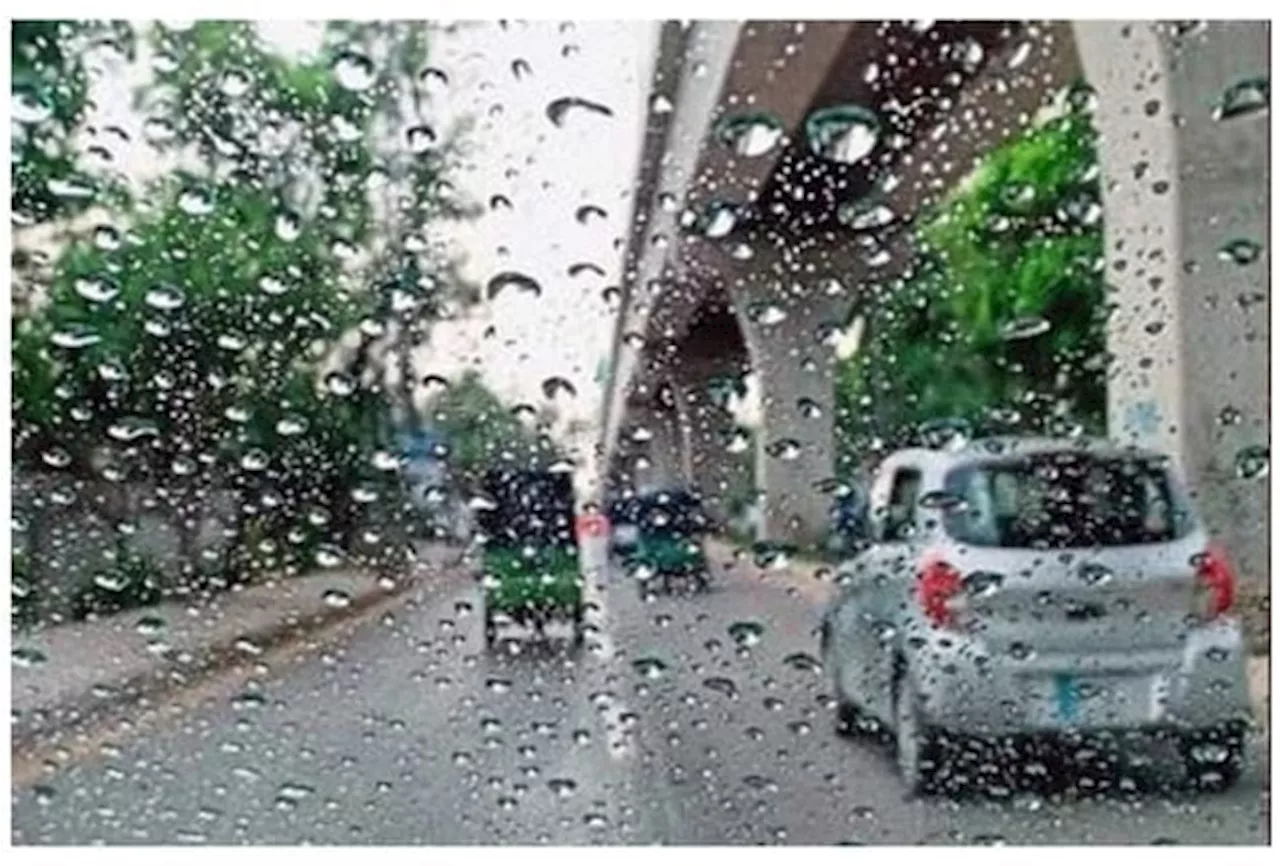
[624,525]
[670,525]
[530,558]
[1042,588]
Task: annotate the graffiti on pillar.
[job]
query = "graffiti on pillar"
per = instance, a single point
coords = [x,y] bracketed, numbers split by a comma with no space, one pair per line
[1142,419]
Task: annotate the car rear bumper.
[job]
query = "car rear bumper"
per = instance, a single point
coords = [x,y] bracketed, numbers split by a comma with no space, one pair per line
[1200,685]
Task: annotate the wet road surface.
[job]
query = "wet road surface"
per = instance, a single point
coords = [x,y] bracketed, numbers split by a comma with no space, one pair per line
[684,720]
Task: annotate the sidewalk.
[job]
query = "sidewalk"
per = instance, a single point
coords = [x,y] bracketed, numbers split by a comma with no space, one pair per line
[814,582]
[67,673]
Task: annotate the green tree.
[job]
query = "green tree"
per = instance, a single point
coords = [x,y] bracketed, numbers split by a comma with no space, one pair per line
[482,432]
[1000,325]
[50,92]
[196,351]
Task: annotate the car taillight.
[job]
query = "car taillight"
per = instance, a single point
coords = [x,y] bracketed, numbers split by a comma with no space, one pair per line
[937,585]
[1215,583]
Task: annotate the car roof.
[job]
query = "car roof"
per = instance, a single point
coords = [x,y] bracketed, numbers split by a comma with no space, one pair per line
[998,447]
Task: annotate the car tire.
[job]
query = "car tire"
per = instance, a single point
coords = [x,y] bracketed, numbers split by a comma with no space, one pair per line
[915,745]
[852,723]
[1214,758]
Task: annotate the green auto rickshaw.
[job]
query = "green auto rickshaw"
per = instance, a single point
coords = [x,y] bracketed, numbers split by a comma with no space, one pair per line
[530,571]
[667,551]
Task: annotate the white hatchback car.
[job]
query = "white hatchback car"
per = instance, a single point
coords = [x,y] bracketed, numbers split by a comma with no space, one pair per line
[1019,588]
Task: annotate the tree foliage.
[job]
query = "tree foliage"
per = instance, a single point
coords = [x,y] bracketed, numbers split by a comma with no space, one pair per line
[191,343]
[1000,325]
[483,432]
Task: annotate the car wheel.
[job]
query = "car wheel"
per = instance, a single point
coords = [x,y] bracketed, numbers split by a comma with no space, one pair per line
[913,741]
[852,722]
[1214,759]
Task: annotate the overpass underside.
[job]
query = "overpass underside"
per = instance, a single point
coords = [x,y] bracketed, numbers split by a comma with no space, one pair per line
[744,256]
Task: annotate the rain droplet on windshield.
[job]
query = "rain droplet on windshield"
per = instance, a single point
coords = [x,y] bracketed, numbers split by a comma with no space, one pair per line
[1244,98]
[751,135]
[1240,252]
[588,212]
[555,385]
[354,71]
[843,133]
[558,110]
[514,280]
[1253,461]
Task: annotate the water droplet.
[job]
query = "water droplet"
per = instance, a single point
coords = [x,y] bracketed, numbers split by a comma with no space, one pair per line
[149,625]
[254,460]
[336,598]
[719,219]
[293,426]
[26,107]
[498,685]
[1240,252]
[26,657]
[514,280]
[941,500]
[588,212]
[235,83]
[863,215]
[106,237]
[165,298]
[354,71]
[1020,55]
[784,449]
[288,226]
[75,337]
[843,133]
[723,686]
[558,110]
[435,79]
[1025,328]
[751,135]
[57,457]
[746,632]
[132,428]
[802,661]
[520,68]
[331,556]
[661,104]
[420,138]
[649,667]
[195,202]
[580,268]
[96,290]
[1244,98]
[340,384]
[767,314]
[1230,416]
[563,788]
[553,386]
[1253,461]
[1095,573]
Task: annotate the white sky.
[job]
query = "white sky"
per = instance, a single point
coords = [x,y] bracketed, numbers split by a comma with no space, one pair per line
[591,159]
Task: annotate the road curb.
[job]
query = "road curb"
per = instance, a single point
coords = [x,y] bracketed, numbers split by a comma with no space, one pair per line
[176,672]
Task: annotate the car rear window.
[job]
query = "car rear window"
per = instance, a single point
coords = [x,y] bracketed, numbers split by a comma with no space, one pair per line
[1064,500]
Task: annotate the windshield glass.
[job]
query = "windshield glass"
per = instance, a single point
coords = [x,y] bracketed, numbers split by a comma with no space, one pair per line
[1063,500]
[521,432]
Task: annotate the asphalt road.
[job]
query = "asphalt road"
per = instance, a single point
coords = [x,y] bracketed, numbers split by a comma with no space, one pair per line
[684,721]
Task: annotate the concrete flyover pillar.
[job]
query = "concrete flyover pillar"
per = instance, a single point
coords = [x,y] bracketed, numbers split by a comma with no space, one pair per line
[710,455]
[655,445]
[1183,119]
[795,443]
